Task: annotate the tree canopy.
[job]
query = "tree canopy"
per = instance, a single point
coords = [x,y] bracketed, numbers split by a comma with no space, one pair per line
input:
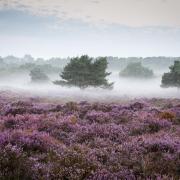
[172,78]
[136,70]
[84,71]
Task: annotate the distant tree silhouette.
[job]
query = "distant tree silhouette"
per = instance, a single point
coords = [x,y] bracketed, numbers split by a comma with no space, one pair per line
[136,70]
[38,76]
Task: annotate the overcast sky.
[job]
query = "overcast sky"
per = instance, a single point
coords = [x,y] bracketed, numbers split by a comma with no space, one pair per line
[47,28]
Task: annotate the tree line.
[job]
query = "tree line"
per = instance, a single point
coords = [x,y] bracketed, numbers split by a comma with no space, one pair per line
[85,71]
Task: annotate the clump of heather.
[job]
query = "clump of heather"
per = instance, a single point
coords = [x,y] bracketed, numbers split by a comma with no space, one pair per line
[14,164]
[42,140]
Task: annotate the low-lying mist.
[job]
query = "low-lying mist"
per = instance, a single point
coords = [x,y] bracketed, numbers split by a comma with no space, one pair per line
[124,88]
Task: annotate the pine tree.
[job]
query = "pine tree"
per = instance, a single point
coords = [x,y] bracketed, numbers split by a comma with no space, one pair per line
[172,78]
[83,72]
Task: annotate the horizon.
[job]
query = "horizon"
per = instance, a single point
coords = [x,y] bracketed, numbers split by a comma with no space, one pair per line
[70,57]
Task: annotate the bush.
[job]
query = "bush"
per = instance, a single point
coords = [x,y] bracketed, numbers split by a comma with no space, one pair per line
[38,76]
[136,70]
[168,115]
[14,164]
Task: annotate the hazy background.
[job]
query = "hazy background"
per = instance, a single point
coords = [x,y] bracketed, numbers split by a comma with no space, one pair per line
[67,28]
[14,77]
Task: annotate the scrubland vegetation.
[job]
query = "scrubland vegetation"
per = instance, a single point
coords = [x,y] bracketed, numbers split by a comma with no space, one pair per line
[44,140]
[47,138]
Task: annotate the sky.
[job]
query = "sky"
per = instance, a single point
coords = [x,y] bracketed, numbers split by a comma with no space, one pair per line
[62,28]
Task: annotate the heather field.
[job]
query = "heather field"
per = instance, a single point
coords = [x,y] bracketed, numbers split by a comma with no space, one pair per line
[49,140]
[90,90]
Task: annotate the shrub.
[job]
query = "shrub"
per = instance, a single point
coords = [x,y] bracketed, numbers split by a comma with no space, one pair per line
[14,164]
[167,115]
[38,76]
[136,70]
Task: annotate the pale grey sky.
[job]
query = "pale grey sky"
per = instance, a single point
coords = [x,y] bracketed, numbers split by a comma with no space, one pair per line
[124,12]
[96,27]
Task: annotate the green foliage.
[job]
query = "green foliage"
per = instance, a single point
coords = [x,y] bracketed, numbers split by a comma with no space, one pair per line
[136,70]
[38,76]
[83,72]
[172,78]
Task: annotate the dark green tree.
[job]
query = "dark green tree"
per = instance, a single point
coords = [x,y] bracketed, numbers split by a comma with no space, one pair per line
[172,78]
[38,76]
[136,70]
[84,71]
